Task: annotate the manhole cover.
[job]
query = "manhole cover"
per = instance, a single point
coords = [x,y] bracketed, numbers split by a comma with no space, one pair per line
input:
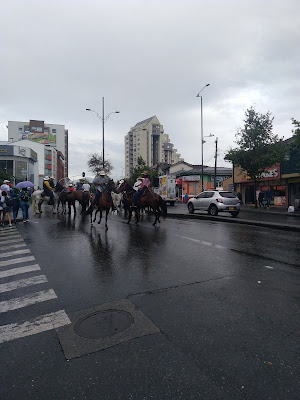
[103,323]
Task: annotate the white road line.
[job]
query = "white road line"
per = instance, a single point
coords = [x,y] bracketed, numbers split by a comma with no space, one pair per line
[41,324]
[267,266]
[218,246]
[14,253]
[16,261]
[24,301]
[20,270]
[16,240]
[35,280]
[9,233]
[12,246]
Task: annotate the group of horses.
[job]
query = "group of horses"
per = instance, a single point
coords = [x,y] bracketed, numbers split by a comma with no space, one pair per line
[110,199]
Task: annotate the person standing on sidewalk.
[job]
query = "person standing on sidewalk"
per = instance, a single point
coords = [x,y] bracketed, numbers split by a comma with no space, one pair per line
[260,199]
[24,197]
[6,204]
[15,203]
[268,197]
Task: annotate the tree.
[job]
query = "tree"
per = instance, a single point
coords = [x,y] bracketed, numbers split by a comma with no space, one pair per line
[95,164]
[296,133]
[4,176]
[258,147]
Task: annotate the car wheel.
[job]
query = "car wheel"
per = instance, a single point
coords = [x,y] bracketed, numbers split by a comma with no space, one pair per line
[213,210]
[234,214]
[191,208]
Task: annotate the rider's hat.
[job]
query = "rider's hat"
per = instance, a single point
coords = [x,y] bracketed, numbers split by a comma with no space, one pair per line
[46,178]
[70,184]
[145,173]
[121,181]
[102,172]
[51,177]
[6,181]
[139,178]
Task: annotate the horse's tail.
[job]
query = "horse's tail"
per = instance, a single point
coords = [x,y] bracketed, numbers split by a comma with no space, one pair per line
[163,206]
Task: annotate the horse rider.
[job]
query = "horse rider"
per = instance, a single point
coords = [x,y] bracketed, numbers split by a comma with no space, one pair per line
[137,183]
[51,182]
[86,187]
[48,190]
[144,186]
[71,188]
[100,183]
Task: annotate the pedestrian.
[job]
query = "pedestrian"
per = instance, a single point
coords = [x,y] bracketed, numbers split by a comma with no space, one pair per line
[5,186]
[15,203]
[24,197]
[6,204]
[260,199]
[268,197]
[186,198]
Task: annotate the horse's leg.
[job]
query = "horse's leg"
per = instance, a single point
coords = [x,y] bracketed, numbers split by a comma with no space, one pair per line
[100,218]
[39,206]
[107,211]
[74,208]
[69,207]
[137,214]
[95,215]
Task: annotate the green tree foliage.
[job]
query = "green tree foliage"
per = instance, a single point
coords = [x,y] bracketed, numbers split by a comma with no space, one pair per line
[258,147]
[4,176]
[296,133]
[95,164]
[139,169]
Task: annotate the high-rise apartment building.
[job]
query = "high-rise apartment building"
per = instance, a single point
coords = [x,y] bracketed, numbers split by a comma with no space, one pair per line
[50,135]
[148,140]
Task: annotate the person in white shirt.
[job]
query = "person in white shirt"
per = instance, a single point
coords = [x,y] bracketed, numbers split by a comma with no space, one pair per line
[86,187]
[138,183]
[5,186]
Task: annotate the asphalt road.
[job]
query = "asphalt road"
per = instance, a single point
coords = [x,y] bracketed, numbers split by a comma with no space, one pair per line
[216,310]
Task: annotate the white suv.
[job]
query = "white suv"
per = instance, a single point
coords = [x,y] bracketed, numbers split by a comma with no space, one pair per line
[215,201]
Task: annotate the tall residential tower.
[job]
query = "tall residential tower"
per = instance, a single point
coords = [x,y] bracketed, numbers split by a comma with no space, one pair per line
[148,140]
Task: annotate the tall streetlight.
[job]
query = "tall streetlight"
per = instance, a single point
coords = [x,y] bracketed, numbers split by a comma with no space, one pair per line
[202,141]
[103,120]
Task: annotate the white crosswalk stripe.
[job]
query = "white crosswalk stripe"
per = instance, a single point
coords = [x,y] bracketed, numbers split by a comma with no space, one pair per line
[12,252]
[16,261]
[20,270]
[6,287]
[41,324]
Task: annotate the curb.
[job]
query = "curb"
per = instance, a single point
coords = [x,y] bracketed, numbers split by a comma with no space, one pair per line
[236,221]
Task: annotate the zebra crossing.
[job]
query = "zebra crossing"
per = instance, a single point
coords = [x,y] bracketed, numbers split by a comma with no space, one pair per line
[16,261]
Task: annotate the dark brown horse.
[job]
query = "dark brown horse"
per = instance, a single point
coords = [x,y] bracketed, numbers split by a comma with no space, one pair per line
[105,203]
[148,199]
[70,198]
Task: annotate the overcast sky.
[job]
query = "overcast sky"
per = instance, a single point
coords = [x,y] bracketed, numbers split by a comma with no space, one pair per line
[149,58]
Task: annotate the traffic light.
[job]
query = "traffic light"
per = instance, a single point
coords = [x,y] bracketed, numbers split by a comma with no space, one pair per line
[83,174]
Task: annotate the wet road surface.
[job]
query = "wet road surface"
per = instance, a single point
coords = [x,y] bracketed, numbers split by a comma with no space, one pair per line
[224,297]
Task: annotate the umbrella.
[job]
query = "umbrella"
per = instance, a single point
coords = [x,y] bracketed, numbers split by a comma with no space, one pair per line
[25,184]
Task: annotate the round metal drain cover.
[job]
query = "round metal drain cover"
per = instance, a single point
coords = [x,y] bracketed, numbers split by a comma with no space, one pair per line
[103,323]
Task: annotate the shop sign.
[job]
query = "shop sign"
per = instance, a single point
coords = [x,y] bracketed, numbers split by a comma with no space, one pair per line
[191,178]
[268,174]
[6,150]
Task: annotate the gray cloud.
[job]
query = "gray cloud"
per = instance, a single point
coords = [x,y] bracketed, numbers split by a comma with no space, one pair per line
[149,58]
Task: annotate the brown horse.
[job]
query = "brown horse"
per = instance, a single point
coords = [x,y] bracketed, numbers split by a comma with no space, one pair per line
[148,199]
[105,203]
[70,198]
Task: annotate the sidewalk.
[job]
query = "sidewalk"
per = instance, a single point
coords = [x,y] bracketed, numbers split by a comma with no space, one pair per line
[275,217]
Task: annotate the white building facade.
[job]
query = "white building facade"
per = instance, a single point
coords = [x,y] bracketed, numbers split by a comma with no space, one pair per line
[148,140]
[49,135]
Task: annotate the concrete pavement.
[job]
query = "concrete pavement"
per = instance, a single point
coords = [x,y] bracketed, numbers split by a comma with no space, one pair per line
[276,217]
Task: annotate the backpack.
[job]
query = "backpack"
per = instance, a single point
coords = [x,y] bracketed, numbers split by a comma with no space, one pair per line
[25,196]
[8,201]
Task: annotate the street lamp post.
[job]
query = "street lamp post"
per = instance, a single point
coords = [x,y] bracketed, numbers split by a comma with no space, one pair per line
[103,120]
[202,141]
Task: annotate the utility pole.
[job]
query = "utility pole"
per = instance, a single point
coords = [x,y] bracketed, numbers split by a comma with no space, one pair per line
[216,154]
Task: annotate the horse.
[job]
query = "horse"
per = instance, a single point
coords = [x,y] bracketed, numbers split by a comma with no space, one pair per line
[38,200]
[105,203]
[117,200]
[148,199]
[70,198]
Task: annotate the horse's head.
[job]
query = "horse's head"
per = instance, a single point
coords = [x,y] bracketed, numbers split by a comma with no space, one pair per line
[58,188]
[111,185]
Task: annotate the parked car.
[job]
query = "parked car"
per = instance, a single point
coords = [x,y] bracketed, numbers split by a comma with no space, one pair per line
[215,201]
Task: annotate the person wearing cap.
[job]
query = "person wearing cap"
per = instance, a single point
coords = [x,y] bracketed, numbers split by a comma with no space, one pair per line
[51,182]
[71,188]
[48,189]
[100,183]
[145,185]
[137,183]
[5,186]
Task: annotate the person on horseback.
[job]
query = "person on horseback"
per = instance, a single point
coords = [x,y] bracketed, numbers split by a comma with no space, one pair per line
[51,182]
[71,188]
[48,190]
[145,185]
[86,187]
[100,183]
[137,183]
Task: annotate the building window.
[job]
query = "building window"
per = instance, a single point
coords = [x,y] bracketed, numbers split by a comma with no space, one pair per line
[20,129]
[53,130]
